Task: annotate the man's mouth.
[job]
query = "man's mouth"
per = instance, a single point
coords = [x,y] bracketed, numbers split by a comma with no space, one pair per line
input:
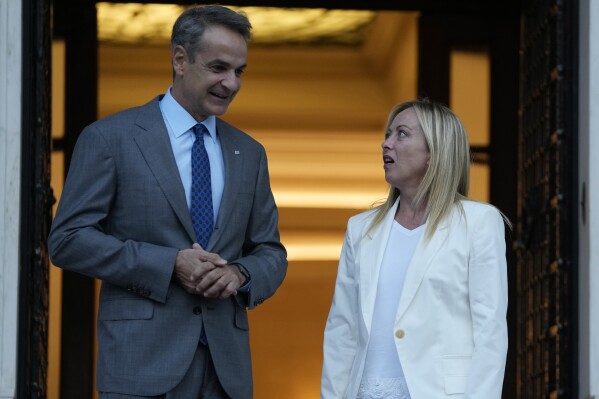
[221,96]
[387,160]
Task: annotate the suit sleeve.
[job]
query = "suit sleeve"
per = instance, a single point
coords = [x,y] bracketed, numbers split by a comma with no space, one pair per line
[80,238]
[263,255]
[340,335]
[488,304]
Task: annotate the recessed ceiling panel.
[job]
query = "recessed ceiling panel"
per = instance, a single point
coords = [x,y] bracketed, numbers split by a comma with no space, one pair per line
[151,24]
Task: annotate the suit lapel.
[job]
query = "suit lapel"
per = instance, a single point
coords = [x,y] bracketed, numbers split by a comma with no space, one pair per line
[233,161]
[371,256]
[153,142]
[420,263]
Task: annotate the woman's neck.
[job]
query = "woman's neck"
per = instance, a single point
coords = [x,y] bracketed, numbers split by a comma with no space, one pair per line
[409,215]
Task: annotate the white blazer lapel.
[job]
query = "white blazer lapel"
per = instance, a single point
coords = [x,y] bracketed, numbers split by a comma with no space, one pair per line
[373,247]
[421,262]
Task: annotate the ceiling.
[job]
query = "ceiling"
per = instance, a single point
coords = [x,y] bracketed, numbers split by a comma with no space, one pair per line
[139,24]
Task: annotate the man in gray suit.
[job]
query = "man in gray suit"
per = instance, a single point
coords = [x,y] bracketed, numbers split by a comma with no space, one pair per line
[176,283]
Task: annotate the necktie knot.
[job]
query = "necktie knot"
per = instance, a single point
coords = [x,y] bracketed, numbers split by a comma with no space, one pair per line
[199,130]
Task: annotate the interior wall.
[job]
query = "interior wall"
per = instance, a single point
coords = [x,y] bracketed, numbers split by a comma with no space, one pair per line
[470,93]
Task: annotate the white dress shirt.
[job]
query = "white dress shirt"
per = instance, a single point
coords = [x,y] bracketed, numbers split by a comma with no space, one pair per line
[179,124]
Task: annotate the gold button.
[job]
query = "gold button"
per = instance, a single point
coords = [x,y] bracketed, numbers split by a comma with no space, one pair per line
[399,334]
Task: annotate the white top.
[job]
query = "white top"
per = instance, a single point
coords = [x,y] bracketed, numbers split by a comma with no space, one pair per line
[381,359]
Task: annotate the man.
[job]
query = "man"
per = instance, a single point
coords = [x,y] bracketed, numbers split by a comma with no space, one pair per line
[179,222]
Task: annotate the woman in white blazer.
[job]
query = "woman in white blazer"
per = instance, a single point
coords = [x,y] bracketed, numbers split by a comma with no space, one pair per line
[420,302]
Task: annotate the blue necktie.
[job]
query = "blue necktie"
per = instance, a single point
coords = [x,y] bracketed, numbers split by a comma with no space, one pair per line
[202,216]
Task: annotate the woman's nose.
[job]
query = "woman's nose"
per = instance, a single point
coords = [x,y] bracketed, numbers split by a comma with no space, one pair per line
[385,143]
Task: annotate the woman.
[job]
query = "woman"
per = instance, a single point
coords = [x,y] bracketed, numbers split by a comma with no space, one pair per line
[420,302]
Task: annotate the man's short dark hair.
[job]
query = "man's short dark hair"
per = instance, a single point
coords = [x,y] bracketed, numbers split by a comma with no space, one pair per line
[190,26]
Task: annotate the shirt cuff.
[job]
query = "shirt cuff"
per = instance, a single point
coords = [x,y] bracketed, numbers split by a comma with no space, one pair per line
[247,285]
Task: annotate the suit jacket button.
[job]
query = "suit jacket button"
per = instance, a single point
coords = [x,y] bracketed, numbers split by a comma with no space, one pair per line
[400,334]
[197,310]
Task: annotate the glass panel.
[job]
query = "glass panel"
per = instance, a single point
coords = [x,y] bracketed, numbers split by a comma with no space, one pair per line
[479,182]
[58,67]
[470,92]
[470,100]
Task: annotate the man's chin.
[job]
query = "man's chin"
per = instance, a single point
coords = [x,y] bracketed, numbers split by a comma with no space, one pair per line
[219,110]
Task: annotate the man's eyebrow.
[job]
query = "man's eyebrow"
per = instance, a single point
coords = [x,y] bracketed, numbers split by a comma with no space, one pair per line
[217,61]
[225,63]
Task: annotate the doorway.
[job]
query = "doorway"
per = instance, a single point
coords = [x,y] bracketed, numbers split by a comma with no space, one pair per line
[320,115]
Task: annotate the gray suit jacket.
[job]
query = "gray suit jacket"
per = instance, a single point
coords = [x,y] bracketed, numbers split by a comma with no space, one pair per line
[122,218]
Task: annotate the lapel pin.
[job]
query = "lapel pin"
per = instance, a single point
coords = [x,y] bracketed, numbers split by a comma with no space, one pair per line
[236,152]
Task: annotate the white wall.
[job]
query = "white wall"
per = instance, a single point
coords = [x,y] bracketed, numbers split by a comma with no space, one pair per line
[589,221]
[10,160]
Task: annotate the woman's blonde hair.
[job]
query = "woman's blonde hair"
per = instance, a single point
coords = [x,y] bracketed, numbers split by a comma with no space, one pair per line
[447,178]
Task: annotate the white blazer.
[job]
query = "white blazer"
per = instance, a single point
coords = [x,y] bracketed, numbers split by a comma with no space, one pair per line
[450,328]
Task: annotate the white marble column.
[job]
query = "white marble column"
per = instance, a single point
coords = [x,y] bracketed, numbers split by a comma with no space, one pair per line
[588,293]
[10,174]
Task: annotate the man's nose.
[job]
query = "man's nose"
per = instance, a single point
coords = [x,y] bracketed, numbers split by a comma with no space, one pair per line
[231,81]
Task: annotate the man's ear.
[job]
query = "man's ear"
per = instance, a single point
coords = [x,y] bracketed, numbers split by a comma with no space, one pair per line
[180,59]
